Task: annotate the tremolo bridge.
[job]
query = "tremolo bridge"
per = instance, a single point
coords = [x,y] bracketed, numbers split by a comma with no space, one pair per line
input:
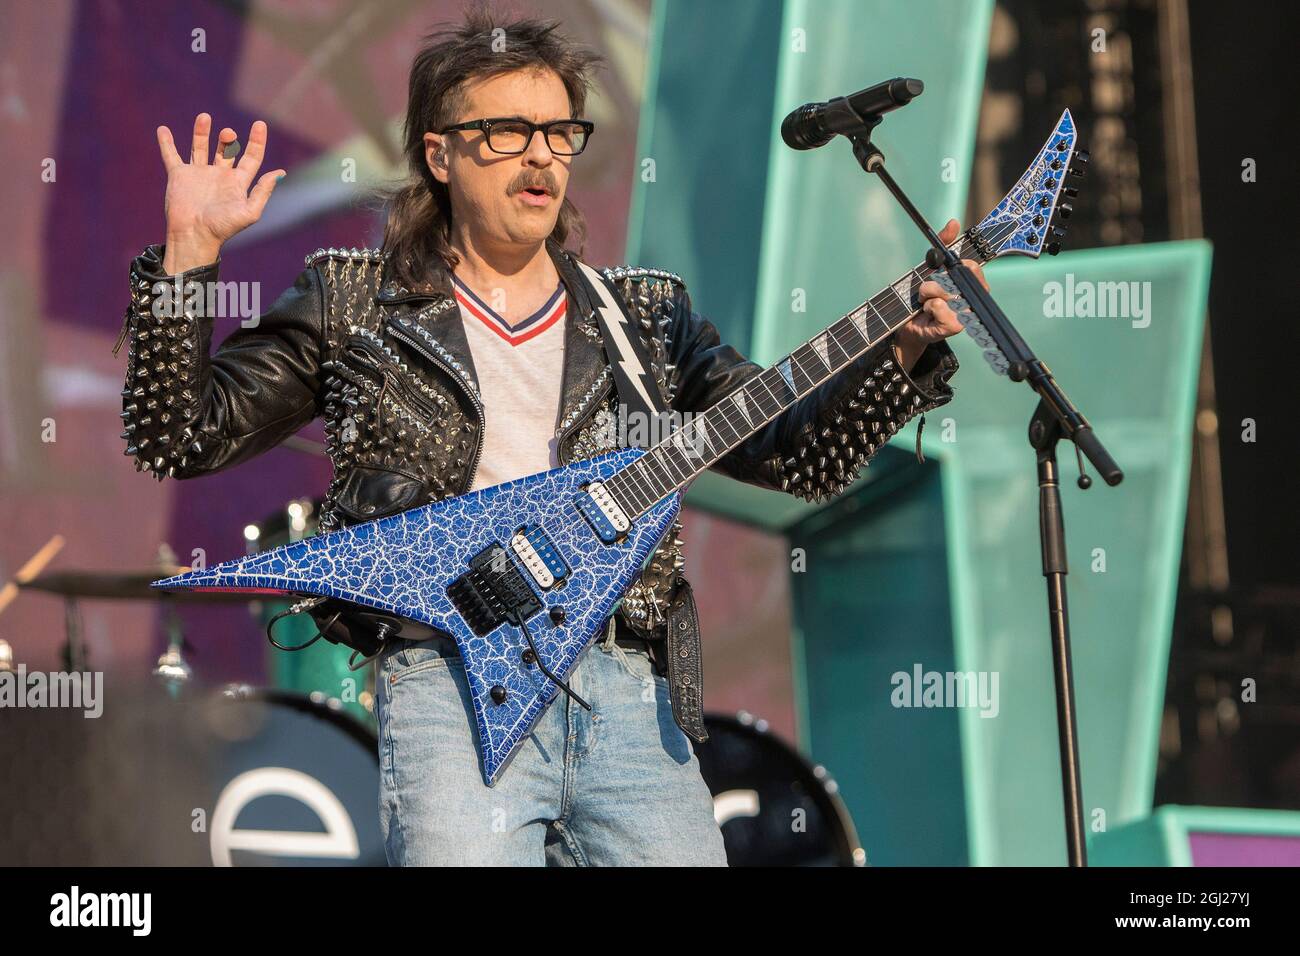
[495,589]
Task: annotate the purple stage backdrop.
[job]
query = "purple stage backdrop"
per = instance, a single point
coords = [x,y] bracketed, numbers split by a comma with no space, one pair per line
[83,85]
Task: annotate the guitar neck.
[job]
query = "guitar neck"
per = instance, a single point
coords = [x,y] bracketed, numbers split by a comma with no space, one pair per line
[692,449]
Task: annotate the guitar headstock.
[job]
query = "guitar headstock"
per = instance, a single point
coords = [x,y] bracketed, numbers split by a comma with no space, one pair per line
[1029,219]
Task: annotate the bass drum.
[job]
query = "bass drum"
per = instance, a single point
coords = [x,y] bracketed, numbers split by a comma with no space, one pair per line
[295,782]
[774,807]
[238,777]
[322,668]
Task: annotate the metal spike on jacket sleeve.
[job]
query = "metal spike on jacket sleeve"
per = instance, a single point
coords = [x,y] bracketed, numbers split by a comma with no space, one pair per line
[831,454]
[160,400]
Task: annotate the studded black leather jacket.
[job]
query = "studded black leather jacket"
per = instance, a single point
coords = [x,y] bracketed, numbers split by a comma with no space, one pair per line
[390,372]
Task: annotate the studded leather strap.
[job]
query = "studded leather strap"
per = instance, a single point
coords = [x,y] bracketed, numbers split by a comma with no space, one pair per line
[685,666]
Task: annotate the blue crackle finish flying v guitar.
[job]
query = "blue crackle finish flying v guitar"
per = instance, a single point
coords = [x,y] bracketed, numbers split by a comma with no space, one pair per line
[524,574]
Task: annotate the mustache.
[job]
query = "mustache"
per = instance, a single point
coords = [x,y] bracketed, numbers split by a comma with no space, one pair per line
[535,179]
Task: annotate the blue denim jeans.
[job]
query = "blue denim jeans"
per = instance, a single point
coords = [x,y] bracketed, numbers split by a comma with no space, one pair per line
[615,786]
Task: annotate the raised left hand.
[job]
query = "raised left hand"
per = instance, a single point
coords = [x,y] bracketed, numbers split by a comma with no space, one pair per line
[936,320]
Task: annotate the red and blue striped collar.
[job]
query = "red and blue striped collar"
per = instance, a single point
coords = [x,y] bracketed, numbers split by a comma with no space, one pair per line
[534,325]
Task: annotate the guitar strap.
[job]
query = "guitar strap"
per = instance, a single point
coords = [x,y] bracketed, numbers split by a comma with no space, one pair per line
[628,359]
[639,392]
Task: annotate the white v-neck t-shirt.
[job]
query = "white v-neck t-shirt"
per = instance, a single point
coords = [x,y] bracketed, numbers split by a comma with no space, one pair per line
[520,372]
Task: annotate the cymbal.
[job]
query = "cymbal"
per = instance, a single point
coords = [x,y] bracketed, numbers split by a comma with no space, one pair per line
[129,586]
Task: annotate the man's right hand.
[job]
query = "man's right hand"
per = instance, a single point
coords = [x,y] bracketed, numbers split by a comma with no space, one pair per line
[207,202]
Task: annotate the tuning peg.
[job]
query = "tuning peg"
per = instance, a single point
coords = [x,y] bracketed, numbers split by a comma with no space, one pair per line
[1079,166]
[1057,234]
[1071,191]
[1066,210]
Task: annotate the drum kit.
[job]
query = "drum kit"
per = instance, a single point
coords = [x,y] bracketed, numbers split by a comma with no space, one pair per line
[308,741]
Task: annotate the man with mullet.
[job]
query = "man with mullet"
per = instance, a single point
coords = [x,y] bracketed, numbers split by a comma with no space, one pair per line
[481,258]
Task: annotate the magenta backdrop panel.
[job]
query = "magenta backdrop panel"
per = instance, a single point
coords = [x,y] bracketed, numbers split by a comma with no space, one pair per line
[82,88]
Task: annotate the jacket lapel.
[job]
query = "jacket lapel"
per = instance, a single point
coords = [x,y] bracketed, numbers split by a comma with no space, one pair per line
[435,308]
[584,350]
[442,319]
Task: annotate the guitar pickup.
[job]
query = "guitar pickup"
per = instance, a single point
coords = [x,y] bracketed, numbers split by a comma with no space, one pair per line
[604,515]
[539,557]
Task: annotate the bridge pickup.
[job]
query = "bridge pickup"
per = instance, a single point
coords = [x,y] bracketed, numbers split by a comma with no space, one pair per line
[492,591]
[604,515]
[539,557]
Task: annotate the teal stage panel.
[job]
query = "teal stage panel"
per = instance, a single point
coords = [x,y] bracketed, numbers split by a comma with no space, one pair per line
[938,566]
[932,566]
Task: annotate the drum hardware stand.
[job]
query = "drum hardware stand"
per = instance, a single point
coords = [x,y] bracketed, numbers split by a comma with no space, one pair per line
[1056,417]
[74,648]
[172,670]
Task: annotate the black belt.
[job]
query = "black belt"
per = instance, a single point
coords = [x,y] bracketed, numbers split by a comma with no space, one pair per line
[624,636]
[627,636]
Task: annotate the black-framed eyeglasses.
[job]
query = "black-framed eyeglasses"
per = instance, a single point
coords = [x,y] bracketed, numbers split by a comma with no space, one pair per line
[511,135]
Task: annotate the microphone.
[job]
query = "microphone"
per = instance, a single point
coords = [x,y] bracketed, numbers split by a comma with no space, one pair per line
[816,124]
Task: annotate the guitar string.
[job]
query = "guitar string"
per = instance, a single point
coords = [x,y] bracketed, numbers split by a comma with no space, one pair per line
[846,329]
[846,326]
[621,483]
[799,358]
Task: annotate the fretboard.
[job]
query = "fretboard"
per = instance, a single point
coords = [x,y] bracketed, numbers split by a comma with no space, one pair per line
[709,435]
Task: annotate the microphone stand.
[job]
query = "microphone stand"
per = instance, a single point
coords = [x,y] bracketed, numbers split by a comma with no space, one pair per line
[1056,417]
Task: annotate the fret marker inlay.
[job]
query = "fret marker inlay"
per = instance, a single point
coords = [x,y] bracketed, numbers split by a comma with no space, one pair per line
[784,368]
[739,398]
[860,320]
[819,345]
